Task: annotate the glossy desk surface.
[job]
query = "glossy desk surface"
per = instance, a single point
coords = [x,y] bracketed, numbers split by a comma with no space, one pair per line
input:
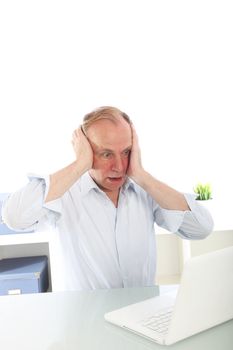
[75,320]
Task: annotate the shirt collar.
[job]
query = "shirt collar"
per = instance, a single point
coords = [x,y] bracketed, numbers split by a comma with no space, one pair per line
[87,184]
[129,184]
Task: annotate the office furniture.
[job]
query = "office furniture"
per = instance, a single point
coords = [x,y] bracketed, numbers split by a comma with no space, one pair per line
[172,251]
[24,245]
[24,275]
[75,320]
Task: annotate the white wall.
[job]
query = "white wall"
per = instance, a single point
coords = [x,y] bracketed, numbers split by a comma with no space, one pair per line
[168,64]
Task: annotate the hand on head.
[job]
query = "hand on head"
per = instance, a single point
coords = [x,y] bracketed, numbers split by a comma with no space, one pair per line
[135,165]
[82,149]
[84,152]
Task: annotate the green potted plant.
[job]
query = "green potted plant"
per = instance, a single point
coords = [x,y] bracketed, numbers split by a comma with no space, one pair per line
[203,191]
[204,196]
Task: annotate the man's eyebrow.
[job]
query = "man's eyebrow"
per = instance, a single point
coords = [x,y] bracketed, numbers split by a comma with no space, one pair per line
[99,149]
[104,150]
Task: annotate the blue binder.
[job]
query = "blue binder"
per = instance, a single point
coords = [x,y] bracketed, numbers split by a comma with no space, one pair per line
[24,275]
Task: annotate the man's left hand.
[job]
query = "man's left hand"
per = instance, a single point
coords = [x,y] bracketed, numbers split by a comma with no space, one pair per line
[135,168]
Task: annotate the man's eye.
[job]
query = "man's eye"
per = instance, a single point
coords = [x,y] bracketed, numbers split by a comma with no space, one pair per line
[106,155]
[127,152]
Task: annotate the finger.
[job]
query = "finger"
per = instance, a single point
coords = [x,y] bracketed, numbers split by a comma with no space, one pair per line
[134,130]
[79,129]
[77,132]
[134,135]
[82,129]
[74,135]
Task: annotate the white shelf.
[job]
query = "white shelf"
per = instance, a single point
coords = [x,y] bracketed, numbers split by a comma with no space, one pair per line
[168,279]
[24,238]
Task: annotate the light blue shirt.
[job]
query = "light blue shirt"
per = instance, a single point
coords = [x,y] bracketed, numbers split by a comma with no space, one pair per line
[102,246]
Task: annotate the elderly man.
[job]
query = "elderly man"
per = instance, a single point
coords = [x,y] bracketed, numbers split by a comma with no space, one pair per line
[103,207]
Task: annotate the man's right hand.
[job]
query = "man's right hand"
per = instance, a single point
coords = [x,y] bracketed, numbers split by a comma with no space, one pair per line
[82,149]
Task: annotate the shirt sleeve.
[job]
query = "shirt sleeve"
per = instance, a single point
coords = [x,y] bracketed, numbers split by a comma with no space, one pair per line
[196,223]
[26,208]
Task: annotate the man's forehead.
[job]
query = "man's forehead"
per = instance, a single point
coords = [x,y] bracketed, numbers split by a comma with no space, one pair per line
[105,126]
[110,136]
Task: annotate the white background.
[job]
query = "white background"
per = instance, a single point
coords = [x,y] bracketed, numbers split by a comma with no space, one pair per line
[168,64]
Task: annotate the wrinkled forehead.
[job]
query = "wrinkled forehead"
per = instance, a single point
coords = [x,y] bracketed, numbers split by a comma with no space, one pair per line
[108,134]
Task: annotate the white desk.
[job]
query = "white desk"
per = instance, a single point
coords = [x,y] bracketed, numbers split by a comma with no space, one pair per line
[74,321]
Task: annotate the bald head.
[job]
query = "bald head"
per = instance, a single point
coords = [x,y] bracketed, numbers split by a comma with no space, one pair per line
[104,113]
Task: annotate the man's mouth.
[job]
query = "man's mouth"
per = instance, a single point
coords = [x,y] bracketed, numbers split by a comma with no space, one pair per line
[115,179]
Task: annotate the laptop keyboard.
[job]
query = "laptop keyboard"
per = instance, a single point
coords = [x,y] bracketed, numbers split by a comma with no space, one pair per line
[158,322]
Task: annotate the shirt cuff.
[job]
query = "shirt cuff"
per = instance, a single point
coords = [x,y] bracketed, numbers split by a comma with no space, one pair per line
[198,222]
[191,200]
[170,220]
[55,205]
[193,224]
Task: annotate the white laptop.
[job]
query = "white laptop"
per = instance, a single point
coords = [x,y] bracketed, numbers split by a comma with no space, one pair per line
[204,300]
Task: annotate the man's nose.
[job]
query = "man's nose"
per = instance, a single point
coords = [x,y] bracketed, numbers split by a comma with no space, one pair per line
[118,164]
